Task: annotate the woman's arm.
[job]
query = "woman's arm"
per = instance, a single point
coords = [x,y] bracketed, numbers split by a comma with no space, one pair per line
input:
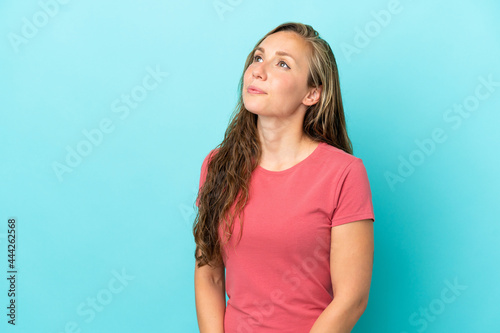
[210,295]
[351,263]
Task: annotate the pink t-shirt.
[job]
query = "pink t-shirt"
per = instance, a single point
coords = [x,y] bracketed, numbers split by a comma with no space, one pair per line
[278,276]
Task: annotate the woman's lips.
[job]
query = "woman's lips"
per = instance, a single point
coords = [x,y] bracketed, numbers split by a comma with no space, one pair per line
[254,90]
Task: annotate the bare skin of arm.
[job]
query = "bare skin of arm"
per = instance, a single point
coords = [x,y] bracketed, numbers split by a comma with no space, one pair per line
[351,262]
[210,295]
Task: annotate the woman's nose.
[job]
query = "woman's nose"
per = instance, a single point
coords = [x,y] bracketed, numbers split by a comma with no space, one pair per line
[259,70]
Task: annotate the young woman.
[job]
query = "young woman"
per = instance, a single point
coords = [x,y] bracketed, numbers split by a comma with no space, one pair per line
[285,181]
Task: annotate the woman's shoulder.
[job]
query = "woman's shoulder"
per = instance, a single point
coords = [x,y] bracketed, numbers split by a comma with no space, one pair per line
[338,164]
[333,154]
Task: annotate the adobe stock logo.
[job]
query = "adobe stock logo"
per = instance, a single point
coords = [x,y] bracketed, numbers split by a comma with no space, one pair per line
[428,314]
[373,28]
[226,5]
[31,27]
[94,137]
[427,146]
[99,301]
[293,279]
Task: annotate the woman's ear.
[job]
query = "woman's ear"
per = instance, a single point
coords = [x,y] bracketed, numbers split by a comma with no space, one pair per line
[313,96]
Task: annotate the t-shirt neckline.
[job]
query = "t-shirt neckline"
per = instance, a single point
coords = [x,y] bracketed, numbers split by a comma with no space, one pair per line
[293,167]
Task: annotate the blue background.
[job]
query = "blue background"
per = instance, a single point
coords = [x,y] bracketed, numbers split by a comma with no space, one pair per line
[127,207]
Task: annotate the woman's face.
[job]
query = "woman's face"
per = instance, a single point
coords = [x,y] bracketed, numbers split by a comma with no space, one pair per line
[282,78]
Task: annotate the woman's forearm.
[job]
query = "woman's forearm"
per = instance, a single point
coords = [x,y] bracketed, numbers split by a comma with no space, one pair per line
[340,316]
[210,305]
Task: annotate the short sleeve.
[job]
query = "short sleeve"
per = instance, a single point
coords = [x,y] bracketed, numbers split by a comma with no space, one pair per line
[353,198]
[203,174]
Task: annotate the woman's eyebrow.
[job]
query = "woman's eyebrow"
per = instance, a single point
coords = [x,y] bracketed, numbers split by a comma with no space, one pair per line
[281,53]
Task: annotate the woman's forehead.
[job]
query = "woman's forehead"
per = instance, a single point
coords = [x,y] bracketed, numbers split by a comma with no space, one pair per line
[286,42]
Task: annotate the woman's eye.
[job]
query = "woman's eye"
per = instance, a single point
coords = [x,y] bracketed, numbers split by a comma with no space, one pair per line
[281,61]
